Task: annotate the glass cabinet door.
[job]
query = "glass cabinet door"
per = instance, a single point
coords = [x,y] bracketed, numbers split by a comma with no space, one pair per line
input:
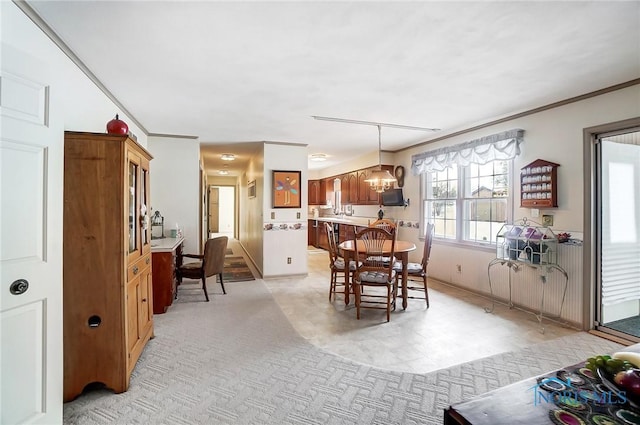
[137,204]
[132,204]
[145,227]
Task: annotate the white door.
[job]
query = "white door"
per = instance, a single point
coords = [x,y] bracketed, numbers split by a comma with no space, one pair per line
[618,242]
[31,178]
[214,209]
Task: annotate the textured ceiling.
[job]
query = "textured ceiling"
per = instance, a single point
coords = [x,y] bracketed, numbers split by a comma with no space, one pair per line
[237,72]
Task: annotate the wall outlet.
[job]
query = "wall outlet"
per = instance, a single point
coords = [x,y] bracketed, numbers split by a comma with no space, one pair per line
[273,216]
[459,268]
[288,260]
[298,215]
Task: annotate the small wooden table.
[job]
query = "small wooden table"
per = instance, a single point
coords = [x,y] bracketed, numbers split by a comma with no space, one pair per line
[165,257]
[401,251]
[520,403]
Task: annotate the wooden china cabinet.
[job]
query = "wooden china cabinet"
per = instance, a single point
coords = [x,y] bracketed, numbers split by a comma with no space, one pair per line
[107,284]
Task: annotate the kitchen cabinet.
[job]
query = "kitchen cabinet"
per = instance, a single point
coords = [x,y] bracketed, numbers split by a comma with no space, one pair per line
[323,239]
[312,228]
[317,192]
[107,270]
[344,188]
[313,186]
[352,183]
[346,232]
[539,185]
[354,190]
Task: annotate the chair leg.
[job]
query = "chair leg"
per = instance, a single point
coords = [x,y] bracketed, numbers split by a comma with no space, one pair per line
[388,303]
[395,294]
[356,290]
[204,287]
[332,284]
[426,291]
[222,284]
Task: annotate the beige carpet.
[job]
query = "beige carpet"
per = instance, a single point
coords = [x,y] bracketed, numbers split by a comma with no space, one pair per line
[237,360]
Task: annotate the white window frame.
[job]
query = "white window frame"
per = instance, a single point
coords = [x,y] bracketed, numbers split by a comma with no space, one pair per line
[461,236]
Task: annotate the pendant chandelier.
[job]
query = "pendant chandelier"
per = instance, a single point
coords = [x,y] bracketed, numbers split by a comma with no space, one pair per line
[380,180]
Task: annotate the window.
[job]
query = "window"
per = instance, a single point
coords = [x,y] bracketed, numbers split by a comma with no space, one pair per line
[468,203]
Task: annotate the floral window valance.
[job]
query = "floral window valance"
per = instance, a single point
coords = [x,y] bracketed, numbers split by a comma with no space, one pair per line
[505,145]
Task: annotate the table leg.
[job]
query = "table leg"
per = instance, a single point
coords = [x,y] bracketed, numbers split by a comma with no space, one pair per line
[404,256]
[347,275]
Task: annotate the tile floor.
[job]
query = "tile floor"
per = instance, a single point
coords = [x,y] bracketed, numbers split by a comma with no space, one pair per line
[455,329]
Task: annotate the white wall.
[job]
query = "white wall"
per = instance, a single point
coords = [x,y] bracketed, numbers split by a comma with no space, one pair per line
[279,245]
[251,210]
[83,105]
[555,135]
[175,183]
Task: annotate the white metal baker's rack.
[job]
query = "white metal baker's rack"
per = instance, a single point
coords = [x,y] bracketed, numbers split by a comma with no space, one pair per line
[527,243]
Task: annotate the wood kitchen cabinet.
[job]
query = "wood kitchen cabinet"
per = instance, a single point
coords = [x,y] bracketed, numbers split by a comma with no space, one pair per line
[352,183]
[323,239]
[312,235]
[317,192]
[354,190]
[107,279]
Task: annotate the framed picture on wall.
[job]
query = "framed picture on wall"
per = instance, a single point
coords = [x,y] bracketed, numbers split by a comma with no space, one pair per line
[251,189]
[286,189]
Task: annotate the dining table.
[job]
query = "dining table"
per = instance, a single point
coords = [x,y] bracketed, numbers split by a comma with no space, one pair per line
[401,252]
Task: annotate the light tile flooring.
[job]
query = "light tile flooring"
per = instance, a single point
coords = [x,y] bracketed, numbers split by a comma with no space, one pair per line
[455,329]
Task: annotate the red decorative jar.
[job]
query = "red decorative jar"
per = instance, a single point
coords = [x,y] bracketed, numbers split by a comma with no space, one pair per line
[117,126]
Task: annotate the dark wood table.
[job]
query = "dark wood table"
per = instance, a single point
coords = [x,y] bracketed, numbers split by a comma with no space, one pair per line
[527,402]
[401,251]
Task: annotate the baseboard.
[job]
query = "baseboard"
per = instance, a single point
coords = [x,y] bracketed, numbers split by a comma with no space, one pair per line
[614,338]
[501,301]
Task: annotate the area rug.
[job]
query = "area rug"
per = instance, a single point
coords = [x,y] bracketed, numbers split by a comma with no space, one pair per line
[236,270]
[238,360]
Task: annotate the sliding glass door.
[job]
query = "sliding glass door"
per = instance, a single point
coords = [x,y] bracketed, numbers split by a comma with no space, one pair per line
[618,235]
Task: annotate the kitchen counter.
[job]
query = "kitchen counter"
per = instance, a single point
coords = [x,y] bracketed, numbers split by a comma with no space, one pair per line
[165,244]
[357,221]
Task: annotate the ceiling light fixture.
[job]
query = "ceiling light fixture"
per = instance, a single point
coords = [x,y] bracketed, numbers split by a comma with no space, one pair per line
[227,157]
[380,180]
[318,157]
[223,172]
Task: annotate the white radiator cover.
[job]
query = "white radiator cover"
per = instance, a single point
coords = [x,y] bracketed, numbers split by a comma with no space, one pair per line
[526,283]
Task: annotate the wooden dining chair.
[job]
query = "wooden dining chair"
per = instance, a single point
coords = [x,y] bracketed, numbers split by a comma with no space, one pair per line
[417,272]
[337,264]
[373,271]
[211,263]
[387,224]
[384,223]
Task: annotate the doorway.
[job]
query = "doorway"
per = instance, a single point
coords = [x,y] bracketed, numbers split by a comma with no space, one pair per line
[222,210]
[617,236]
